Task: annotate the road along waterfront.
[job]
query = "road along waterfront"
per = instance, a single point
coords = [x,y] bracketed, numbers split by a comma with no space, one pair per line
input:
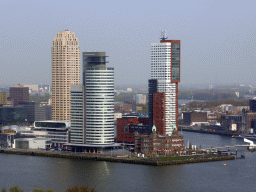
[59,173]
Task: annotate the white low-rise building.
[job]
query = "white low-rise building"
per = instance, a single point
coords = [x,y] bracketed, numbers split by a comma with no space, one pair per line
[57,131]
[31,143]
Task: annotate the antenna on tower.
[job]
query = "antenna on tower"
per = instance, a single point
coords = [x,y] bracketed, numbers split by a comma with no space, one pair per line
[163,35]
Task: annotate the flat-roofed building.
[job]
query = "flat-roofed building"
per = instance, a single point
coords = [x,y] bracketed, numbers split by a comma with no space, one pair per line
[232,123]
[141,99]
[3,98]
[128,125]
[31,143]
[19,93]
[225,108]
[12,115]
[56,131]
[195,118]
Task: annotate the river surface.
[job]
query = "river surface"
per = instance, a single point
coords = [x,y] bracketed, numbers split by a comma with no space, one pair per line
[29,172]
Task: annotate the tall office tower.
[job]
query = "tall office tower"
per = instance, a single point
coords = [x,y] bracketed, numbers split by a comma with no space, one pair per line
[65,71]
[19,93]
[165,67]
[77,135]
[99,99]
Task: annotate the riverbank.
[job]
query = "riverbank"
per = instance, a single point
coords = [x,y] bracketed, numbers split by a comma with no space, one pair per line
[208,132]
[132,160]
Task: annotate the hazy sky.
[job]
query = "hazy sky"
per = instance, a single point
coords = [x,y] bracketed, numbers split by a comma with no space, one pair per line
[217,37]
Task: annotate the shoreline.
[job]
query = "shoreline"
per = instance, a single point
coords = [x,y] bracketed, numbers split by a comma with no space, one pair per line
[132,160]
[208,132]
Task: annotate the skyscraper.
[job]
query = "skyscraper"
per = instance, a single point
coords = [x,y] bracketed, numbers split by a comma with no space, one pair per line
[165,68]
[65,71]
[98,83]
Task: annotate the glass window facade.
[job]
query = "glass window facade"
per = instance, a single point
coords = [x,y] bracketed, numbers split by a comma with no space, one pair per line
[77,114]
[98,98]
[175,61]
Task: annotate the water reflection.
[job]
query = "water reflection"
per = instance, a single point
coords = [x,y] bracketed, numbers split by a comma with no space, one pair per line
[59,174]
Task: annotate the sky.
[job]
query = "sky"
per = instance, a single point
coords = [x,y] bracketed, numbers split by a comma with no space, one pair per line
[217,38]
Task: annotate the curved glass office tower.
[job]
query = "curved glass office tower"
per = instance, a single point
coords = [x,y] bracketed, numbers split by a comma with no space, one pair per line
[99,99]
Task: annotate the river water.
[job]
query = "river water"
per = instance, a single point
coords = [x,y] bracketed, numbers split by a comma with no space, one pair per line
[29,172]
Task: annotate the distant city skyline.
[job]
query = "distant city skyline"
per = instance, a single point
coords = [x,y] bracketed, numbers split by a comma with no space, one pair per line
[217,41]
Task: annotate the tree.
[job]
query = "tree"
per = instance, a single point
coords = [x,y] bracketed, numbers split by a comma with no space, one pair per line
[218,119]
[83,188]
[41,190]
[16,189]
[3,190]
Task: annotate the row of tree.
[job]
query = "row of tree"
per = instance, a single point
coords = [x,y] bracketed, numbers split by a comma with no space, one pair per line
[39,99]
[212,104]
[83,188]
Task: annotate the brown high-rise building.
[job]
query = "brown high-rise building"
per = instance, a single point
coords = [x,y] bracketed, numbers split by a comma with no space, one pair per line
[19,93]
[65,72]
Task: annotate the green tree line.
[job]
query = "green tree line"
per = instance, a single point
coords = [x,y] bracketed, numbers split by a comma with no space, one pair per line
[39,99]
[83,188]
[211,104]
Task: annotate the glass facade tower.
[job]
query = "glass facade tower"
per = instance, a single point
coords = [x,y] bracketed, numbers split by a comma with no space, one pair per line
[99,99]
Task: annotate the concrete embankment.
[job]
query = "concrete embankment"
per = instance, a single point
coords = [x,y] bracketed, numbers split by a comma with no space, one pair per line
[96,157]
